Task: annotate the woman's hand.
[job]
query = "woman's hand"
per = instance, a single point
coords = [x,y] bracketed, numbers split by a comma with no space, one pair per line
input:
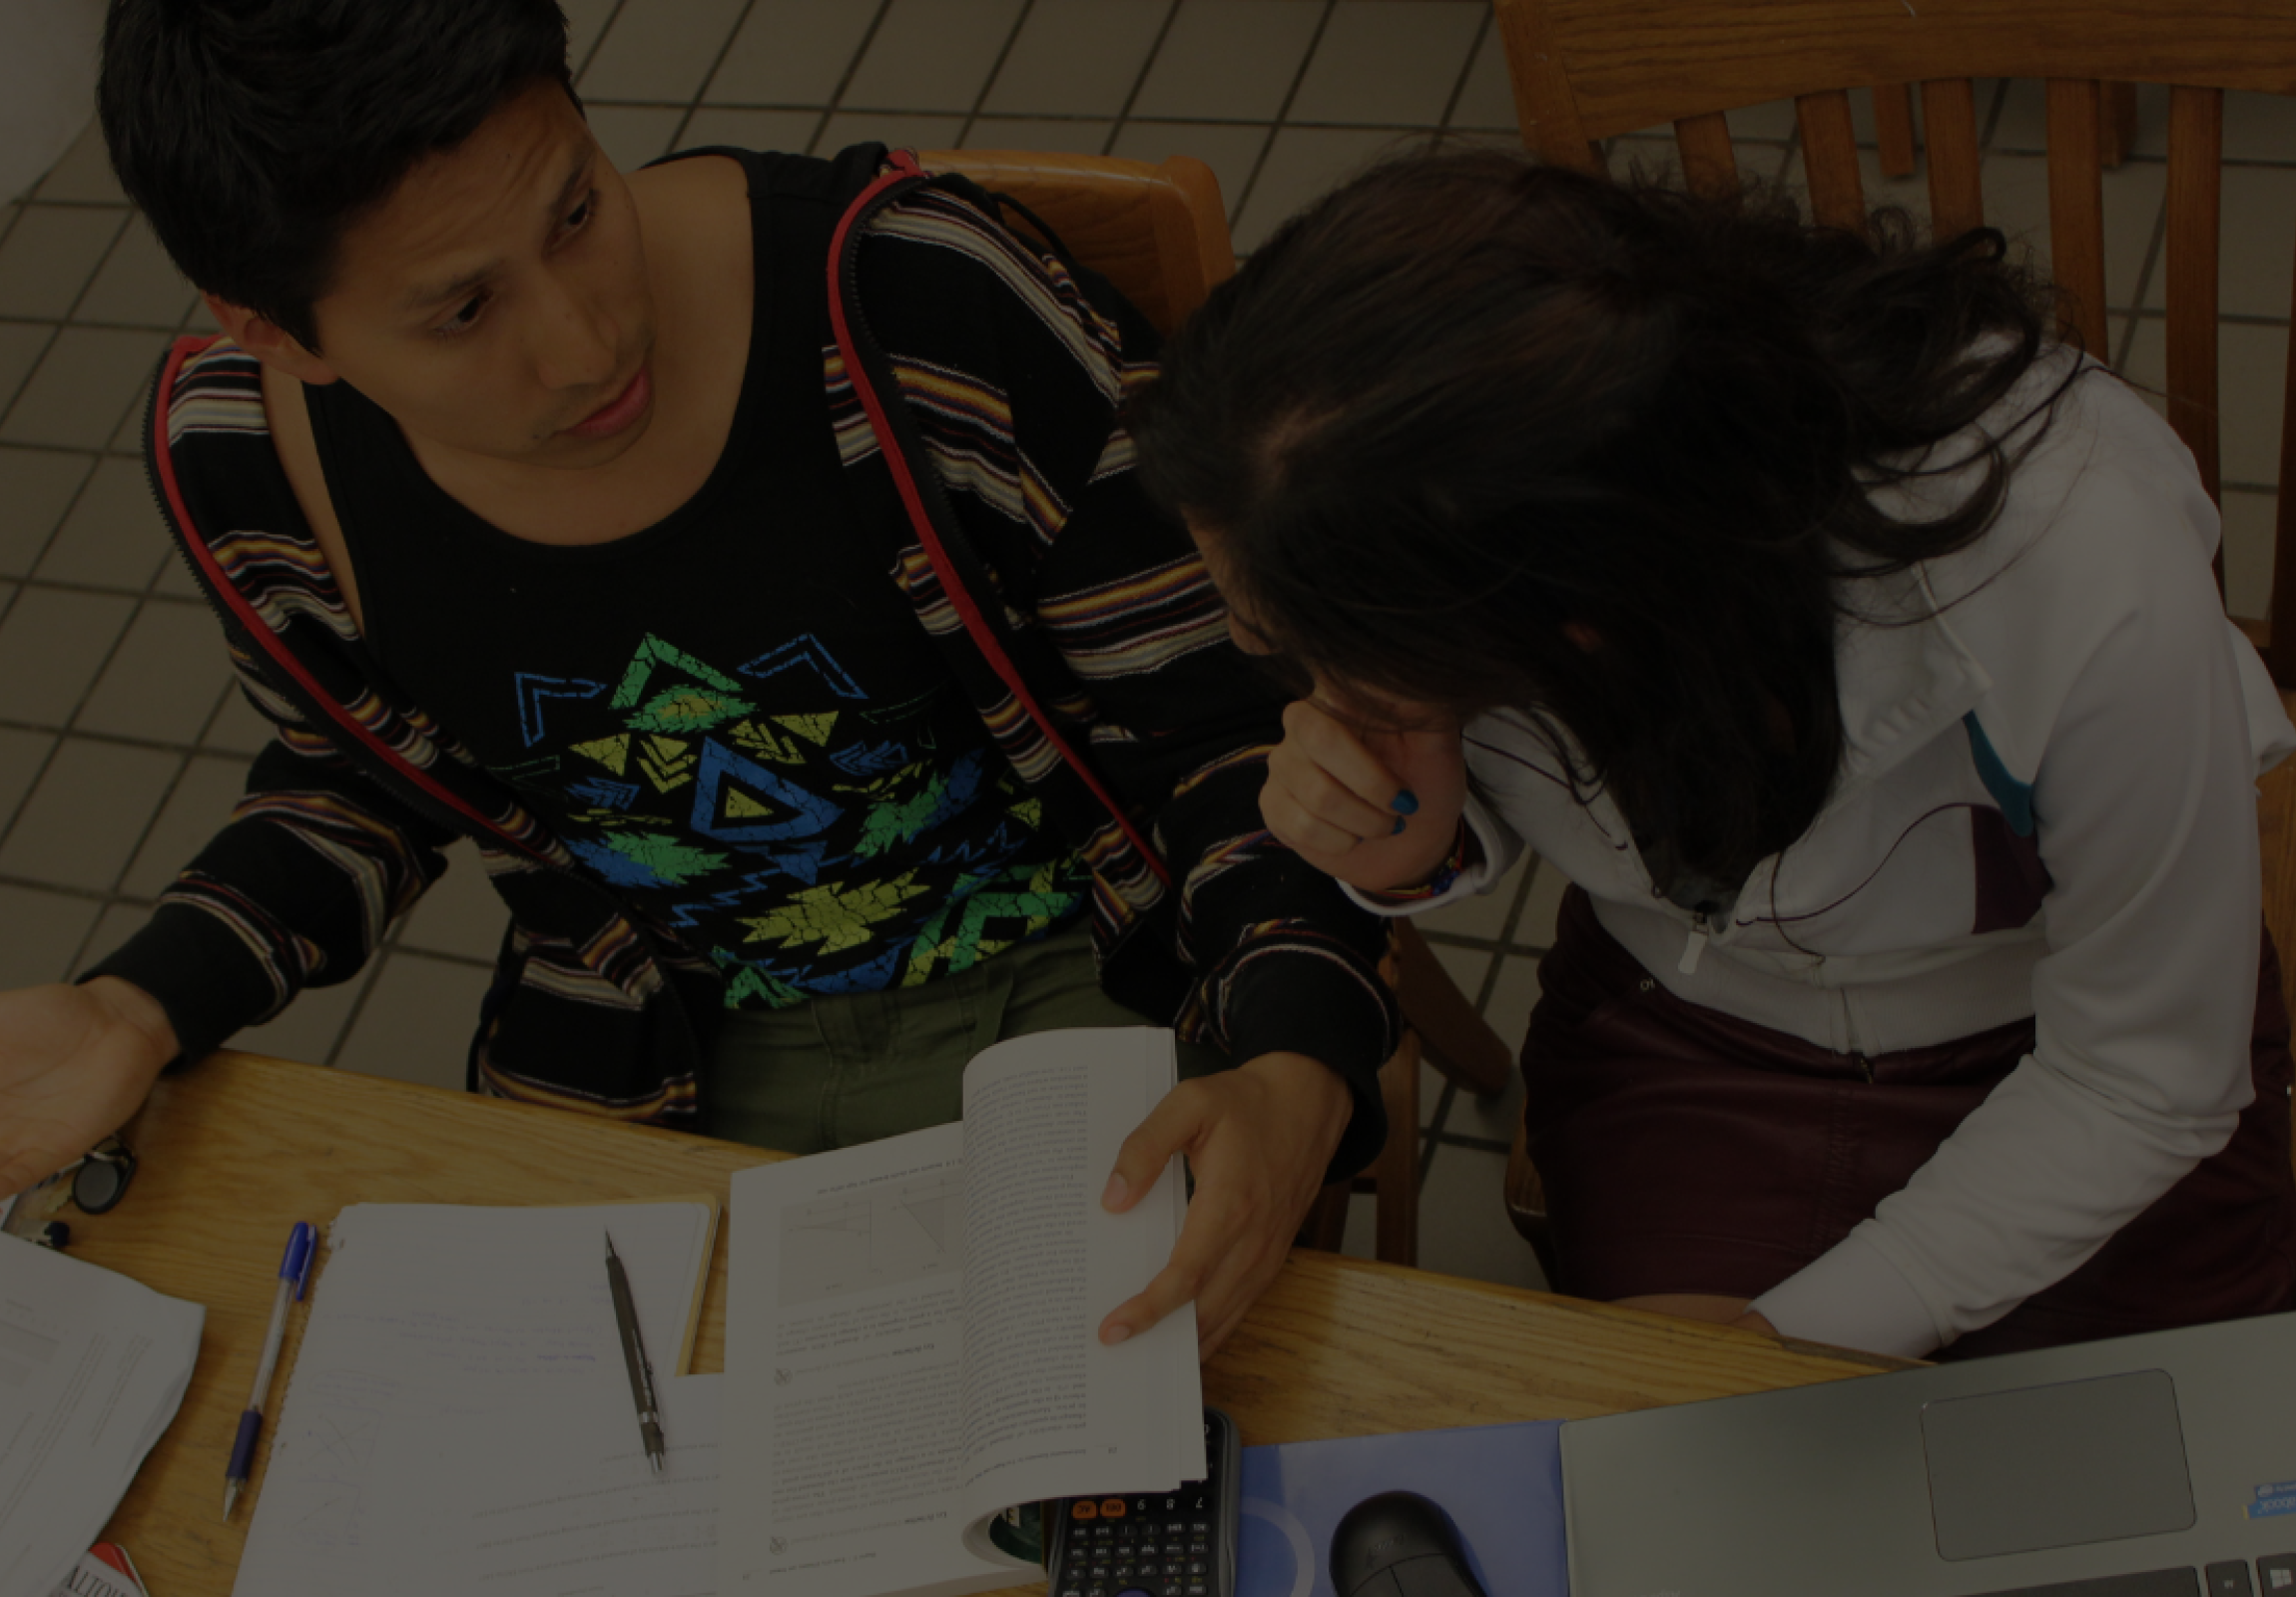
[1259,1139]
[1379,808]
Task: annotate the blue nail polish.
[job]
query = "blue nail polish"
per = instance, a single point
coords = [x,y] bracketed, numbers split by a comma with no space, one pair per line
[1405,803]
[1398,826]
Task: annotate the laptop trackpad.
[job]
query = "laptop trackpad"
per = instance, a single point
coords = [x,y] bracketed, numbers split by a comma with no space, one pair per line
[2057,1467]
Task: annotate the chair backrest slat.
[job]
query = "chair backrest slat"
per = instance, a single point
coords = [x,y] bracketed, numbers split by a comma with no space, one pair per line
[1709,165]
[1956,193]
[2195,208]
[1830,158]
[2283,609]
[1893,127]
[2077,209]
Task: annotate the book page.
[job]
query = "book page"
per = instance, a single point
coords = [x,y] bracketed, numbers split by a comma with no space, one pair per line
[1048,1412]
[424,1306]
[843,1336]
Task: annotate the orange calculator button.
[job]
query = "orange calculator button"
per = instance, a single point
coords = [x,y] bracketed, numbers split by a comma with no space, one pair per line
[1084,1510]
[1111,1509]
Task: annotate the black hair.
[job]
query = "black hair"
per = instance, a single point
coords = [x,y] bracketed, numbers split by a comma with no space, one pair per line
[1480,434]
[254,132]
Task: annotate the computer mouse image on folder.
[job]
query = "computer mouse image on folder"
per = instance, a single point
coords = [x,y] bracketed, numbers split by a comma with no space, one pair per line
[1399,1545]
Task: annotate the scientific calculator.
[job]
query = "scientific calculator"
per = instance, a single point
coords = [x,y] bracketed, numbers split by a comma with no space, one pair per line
[1171,1544]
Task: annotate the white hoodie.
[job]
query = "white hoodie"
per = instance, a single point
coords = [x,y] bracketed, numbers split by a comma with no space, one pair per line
[2069,680]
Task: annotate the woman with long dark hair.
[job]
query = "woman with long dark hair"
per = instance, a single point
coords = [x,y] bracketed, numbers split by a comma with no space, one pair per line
[1851,646]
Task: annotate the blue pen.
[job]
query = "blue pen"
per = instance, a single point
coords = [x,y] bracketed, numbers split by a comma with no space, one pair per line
[295,1271]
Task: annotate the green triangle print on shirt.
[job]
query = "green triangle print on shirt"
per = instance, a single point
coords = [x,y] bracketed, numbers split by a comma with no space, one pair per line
[696,697]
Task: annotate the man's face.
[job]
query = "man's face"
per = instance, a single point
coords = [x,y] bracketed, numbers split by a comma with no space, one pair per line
[496,304]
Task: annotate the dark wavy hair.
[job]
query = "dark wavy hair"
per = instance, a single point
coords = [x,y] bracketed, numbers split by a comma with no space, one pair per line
[1465,401]
[252,133]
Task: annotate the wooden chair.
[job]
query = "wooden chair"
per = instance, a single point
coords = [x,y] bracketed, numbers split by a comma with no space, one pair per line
[1159,234]
[1585,70]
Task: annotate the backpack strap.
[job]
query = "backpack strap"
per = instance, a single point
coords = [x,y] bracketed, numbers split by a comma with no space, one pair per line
[458,813]
[954,562]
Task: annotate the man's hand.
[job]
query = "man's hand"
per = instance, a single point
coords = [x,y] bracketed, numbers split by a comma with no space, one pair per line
[1376,807]
[1258,1137]
[75,1064]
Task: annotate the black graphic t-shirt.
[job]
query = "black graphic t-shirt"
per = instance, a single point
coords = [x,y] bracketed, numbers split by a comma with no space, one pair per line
[732,715]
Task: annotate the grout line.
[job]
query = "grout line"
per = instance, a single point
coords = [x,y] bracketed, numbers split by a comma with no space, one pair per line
[575,69]
[1140,78]
[8,400]
[845,78]
[725,48]
[2136,294]
[118,234]
[135,850]
[1283,110]
[115,739]
[1003,54]
[1466,71]
[370,979]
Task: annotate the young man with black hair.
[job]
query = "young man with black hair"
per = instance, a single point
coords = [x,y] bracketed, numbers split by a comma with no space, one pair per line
[540,508]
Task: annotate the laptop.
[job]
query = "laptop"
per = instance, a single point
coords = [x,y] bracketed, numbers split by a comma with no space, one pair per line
[2161,1465]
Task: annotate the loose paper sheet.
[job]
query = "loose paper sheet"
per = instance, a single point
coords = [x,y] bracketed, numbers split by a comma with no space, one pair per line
[92,1369]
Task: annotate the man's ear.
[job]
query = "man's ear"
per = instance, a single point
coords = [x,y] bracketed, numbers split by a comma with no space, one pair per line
[268,342]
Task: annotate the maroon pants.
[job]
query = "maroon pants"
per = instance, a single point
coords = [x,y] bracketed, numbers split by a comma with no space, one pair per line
[1686,1151]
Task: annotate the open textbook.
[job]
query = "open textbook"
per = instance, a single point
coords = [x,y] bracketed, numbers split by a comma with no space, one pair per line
[911,1332]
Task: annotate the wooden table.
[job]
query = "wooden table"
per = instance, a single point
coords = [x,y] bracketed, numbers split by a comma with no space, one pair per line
[237,1149]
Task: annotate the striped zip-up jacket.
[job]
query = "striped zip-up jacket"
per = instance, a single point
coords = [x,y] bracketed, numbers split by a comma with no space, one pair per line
[1010,373]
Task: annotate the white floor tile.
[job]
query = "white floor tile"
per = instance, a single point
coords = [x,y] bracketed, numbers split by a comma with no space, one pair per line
[1076,58]
[1463,1229]
[238,726]
[660,50]
[2248,534]
[82,822]
[1388,65]
[1534,929]
[1303,164]
[49,257]
[631,135]
[792,53]
[52,644]
[1228,60]
[194,812]
[40,931]
[1487,99]
[791,131]
[165,677]
[36,489]
[418,1022]
[22,754]
[932,55]
[113,537]
[311,1027]
[84,175]
[460,915]
[896,130]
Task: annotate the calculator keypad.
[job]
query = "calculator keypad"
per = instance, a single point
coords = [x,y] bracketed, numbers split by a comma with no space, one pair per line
[1138,1547]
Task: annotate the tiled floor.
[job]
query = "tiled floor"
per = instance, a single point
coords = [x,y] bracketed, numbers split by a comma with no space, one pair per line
[119,748]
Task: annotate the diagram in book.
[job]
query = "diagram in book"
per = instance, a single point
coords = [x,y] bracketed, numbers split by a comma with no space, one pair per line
[878,1235]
